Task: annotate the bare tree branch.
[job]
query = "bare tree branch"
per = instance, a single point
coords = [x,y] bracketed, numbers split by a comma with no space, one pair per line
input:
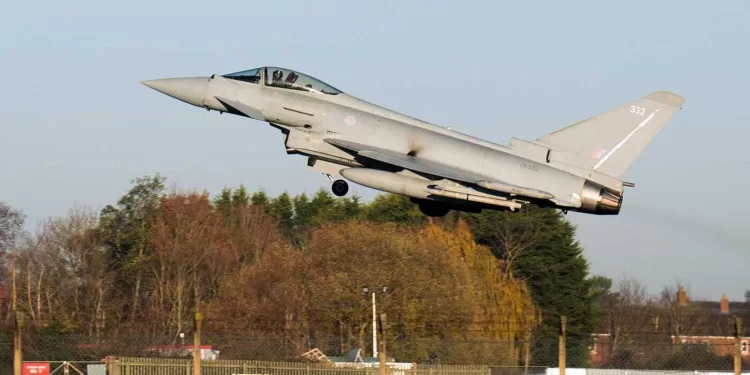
[11,224]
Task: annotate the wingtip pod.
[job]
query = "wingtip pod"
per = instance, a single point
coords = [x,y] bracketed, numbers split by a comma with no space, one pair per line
[667,97]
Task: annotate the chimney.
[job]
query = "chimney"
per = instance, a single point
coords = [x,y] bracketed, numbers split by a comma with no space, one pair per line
[682,296]
[724,304]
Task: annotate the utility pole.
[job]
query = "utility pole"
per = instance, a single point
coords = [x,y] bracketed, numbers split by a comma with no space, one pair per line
[18,332]
[367,291]
[197,343]
[382,343]
[561,346]
[374,328]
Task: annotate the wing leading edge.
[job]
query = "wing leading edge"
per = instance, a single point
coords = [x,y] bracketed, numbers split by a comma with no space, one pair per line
[418,165]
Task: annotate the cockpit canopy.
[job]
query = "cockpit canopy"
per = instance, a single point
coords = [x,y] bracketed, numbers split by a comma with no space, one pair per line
[285,79]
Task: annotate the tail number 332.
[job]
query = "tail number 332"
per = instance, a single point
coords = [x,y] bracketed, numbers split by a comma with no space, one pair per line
[637,110]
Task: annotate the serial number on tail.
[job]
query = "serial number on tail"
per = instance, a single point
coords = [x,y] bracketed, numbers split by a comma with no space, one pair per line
[530,167]
[637,110]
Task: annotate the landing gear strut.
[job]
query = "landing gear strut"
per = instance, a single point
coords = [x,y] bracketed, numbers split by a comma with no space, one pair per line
[340,188]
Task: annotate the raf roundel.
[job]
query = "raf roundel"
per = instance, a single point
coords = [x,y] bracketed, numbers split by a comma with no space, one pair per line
[598,153]
[350,120]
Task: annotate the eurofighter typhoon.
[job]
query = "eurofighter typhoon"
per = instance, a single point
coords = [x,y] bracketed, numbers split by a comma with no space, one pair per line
[576,168]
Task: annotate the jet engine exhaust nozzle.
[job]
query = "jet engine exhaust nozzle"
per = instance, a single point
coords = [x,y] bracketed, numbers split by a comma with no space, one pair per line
[599,200]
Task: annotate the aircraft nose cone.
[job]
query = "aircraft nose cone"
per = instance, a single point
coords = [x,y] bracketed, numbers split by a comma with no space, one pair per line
[190,90]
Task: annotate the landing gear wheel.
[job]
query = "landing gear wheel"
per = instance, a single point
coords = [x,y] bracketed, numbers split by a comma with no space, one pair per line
[340,188]
[434,210]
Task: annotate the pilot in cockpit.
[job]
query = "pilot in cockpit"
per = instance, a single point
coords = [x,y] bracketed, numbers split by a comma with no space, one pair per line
[291,78]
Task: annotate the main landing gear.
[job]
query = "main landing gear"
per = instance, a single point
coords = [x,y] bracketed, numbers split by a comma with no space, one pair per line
[340,188]
[434,209]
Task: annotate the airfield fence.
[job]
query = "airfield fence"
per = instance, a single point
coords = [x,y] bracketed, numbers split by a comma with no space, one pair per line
[241,354]
[123,366]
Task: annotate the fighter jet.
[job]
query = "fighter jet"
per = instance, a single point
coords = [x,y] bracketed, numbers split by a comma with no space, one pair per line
[578,168]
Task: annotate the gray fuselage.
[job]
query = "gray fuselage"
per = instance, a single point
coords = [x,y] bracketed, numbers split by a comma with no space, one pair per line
[310,117]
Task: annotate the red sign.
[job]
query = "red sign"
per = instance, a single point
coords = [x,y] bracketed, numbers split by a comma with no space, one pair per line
[40,368]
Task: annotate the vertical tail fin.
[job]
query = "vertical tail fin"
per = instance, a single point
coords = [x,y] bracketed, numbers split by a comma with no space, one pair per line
[613,140]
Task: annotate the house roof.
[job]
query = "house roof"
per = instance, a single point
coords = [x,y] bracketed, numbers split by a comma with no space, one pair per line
[711,320]
[695,318]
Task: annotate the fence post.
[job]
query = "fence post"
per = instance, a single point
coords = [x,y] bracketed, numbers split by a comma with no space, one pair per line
[382,344]
[112,367]
[737,345]
[197,343]
[561,346]
[17,346]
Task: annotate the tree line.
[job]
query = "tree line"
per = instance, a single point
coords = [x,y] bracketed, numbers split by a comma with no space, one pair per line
[464,288]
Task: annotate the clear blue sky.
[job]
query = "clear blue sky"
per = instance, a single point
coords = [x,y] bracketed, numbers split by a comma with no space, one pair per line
[76,126]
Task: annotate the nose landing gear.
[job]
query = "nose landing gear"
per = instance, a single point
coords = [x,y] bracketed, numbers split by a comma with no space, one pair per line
[340,188]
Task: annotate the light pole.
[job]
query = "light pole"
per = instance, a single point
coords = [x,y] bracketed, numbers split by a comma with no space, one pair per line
[367,291]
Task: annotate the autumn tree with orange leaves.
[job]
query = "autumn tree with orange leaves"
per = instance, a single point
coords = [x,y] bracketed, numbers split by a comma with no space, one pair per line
[445,291]
[191,250]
